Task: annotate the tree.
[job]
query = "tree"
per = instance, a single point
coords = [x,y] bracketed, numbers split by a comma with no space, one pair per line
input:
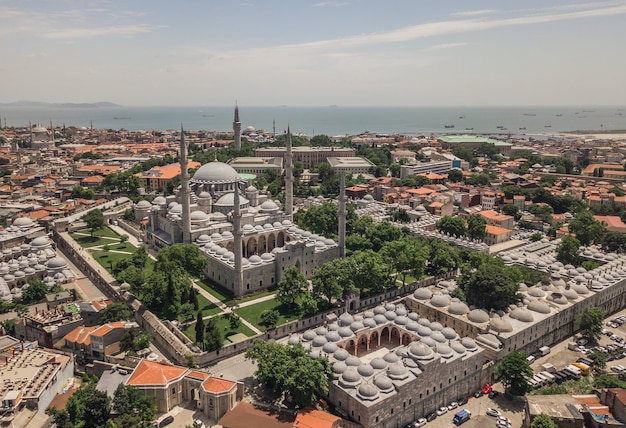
[568,251]
[455,175]
[490,286]
[140,257]
[94,220]
[269,318]
[591,323]
[371,272]
[406,254]
[187,312]
[86,404]
[288,370]
[510,209]
[542,421]
[199,328]
[514,372]
[291,288]
[332,280]
[36,291]
[587,229]
[234,320]
[454,226]
[128,400]
[476,227]
[123,238]
[614,242]
[213,339]
[116,312]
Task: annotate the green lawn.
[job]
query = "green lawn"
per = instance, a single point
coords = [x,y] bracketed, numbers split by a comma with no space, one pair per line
[91,241]
[106,259]
[238,301]
[130,248]
[252,313]
[105,231]
[224,326]
[214,291]
[207,307]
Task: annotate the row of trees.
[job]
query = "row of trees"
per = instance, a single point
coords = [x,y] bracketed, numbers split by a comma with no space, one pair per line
[474,228]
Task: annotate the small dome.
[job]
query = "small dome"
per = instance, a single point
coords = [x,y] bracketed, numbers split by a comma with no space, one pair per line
[353,361]
[539,306]
[380,319]
[215,173]
[391,358]
[380,310]
[329,347]
[397,371]
[424,331]
[143,204]
[319,341]
[345,319]
[293,340]
[440,300]
[321,331]
[458,308]
[449,333]
[350,377]
[159,200]
[339,367]
[22,222]
[436,326]
[458,347]
[420,351]
[198,216]
[468,343]
[438,336]
[57,263]
[367,391]
[383,383]
[522,314]
[40,241]
[269,206]
[341,354]
[478,316]
[390,315]
[500,325]
[369,322]
[365,370]
[412,326]
[422,294]
[309,335]
[378,363]
[345,332]
[333,336]
[444,350]
[401,320]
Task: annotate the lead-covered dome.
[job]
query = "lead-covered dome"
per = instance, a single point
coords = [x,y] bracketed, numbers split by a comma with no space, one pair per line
[215,173]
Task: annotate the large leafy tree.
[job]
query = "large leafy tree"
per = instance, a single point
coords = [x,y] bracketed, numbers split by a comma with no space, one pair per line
[476,227]
[568,251]
[289,370]
[591,323]
[87,407]
[406,254]
[614,242]
[443,258]
[213,339]
[542,421]
[490,286]
[381,233]
[36,291]
[514,372]
[332,280]
[128,400]
[323,219]
[116,312]
[94,220]
[292,287]
[199,328]
[371,272]
[454,226]
[587,229]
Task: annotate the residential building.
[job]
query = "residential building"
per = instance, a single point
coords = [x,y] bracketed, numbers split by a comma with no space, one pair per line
[309,156]
[157,177]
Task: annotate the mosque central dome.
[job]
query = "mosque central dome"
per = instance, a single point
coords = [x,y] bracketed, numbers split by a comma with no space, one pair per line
[215,173]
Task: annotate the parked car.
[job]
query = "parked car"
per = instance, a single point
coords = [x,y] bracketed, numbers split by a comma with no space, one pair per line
[442,411]
[420,422]
[492,412]
[431,417]
[462,401]
[453,405]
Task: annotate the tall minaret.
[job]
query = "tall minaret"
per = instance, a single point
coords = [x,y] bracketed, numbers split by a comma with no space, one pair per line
[289,177]
[342,214]
[184,188]
[237,247]
[237,128]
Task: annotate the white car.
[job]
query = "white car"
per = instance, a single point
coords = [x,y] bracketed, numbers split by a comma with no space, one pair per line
[493,412]
[453,405]
[582,342]
[420,422]
[442,411]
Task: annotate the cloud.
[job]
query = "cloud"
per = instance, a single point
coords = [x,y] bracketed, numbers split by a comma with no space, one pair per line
[331,4]
[83,33]
[475,12]
[446,46]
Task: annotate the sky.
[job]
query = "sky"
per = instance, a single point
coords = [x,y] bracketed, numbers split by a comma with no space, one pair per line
[314,53]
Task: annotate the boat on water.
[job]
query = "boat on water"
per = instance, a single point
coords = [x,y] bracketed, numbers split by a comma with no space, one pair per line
[548,126]
[469,129]
[121,118]
[530,114]
[499,126]
[559,115]
[462,117]
[522,129]
[448,126]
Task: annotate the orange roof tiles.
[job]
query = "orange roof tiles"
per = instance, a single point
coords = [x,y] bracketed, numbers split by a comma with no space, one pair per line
[107,328]
[495,230]
[312,418]
[217,385]
[149,373]
[98,305]
[196,374]
[80,335]
[166,172]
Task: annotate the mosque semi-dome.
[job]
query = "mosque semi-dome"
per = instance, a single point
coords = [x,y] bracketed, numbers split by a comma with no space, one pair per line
[215,173]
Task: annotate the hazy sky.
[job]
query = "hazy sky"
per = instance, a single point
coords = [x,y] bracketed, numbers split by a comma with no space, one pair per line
[318,53]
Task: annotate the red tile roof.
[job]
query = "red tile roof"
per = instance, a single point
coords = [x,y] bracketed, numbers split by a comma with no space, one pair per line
[311,418]
[217,385]
[149,373]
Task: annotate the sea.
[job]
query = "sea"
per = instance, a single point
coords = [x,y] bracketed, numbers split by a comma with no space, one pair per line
[330,120]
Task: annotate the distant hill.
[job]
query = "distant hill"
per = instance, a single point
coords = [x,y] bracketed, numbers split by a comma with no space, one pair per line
[61,105]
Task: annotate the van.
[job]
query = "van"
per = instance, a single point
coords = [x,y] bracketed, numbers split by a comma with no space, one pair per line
[548,376]
[544,350]
[584,368]
[530,359]
[540,381]
[548,367]
[462,416]
[575,371]
[166,421]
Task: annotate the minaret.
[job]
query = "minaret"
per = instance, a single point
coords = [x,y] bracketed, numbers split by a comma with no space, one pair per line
[273,128]
[342,214]
[184,188]
[289,177]
[30,125]
[237,128]
[237,247]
